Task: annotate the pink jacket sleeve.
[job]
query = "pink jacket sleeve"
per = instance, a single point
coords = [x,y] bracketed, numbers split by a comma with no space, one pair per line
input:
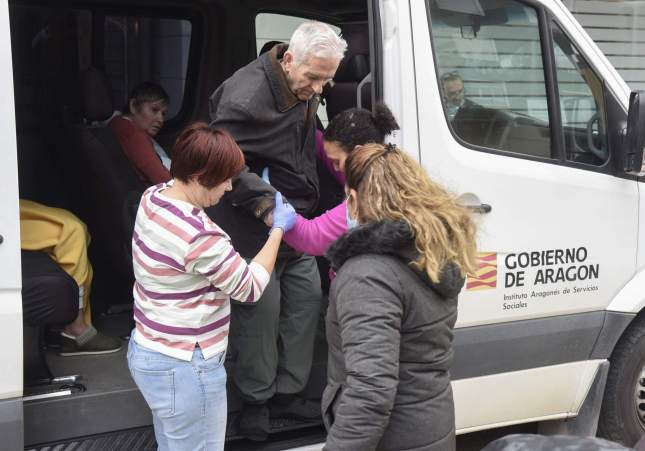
[322,157]
[313,236]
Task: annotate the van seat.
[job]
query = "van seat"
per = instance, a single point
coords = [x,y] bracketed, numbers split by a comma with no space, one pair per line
[354,67]
[111,189]
[97,101]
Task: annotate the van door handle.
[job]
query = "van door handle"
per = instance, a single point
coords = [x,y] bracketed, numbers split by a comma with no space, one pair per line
[472,202]
[1,239]
[481,208]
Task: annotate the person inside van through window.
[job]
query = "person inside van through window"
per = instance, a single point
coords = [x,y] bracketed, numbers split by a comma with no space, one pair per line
[393,306]
[186,271]
[347,131]
[143,116]
[454,94]
[269,107]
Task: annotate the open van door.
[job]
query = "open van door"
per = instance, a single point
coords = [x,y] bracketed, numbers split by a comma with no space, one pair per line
[10,300]
[519,116]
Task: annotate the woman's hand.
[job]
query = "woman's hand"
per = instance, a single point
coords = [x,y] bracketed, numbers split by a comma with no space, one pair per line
[284,216]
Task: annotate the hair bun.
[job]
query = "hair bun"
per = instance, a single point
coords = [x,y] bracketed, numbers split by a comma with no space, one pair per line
[384,119]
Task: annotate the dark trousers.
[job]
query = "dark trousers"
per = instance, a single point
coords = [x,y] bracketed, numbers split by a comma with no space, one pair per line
[49,297]
[273,340]
[49,294]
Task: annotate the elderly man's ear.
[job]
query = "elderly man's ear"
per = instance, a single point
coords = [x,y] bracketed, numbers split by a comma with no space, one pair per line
[287,60]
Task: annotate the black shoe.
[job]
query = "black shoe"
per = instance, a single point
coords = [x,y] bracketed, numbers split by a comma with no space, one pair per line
[283,406]
[253,422]
[89,342]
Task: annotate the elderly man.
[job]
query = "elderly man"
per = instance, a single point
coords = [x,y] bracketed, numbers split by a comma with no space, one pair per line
[269,106]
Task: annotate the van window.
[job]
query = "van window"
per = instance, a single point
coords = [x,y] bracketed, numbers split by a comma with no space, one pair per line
[581,104]
[272,28]
[138,49]
[617,28]
[491,74]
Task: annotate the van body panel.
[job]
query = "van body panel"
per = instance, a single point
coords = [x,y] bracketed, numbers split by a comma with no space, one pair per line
[521,345]
[522,399]
[631,298]
[640,260]
[518,396]
[109,389]
[613,327]
[11,424]
[501,348]
[10,280]
[399,80]
[46,421]
[537,207]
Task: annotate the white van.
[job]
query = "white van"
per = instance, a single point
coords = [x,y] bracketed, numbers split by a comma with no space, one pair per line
[546,147]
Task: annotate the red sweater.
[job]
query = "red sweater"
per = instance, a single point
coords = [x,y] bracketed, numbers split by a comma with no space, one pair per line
[138,148]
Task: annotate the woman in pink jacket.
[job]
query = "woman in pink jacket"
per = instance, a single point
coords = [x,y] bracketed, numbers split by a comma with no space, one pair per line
[346,131]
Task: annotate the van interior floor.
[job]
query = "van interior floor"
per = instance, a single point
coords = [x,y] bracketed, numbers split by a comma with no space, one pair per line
[104,407]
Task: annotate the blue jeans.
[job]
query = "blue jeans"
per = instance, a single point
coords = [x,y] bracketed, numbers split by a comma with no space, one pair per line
[187,399]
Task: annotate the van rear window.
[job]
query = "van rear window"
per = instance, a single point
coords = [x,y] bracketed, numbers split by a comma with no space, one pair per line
[138,49]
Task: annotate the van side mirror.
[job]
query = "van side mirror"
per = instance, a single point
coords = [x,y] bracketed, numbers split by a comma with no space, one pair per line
[634,135]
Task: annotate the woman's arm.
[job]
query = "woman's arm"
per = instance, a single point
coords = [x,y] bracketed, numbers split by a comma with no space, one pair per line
[213,256]
[269,252]
[369,315]
[313,236]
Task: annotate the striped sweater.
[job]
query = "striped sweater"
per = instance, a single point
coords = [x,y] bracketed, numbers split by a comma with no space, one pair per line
[186,271]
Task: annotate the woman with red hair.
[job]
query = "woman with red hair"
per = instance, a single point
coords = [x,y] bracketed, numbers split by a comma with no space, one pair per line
[186,272]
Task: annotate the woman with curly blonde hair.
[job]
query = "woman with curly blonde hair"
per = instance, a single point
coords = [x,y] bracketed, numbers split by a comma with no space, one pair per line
[393,306]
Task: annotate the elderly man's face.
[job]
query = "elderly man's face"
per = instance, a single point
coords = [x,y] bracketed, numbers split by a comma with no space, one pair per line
[308,78]
[453,90]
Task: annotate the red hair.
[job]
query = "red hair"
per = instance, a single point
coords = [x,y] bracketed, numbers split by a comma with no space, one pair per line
[210,155]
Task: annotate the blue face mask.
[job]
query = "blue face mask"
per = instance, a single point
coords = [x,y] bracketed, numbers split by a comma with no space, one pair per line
[351,222]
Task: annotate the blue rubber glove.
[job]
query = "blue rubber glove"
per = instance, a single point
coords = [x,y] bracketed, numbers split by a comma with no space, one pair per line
[284,216]
[265,175]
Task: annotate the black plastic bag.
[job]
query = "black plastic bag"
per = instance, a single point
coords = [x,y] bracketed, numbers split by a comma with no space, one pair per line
[534,442]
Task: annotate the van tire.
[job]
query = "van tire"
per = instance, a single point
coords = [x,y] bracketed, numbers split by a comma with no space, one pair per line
[619,420]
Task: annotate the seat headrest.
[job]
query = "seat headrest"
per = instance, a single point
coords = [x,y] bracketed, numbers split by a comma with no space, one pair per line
[356,64]
[268,46]
[97,103]
[353,69]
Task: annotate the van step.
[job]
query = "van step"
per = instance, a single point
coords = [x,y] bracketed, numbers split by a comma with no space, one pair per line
[140,439]
[285,434]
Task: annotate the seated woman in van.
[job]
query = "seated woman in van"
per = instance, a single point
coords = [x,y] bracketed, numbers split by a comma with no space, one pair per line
[65,239]
[393,306]
[345,132]
[142,118]
[186,271]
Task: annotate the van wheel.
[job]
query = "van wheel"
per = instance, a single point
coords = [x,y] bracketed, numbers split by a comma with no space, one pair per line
[622,416]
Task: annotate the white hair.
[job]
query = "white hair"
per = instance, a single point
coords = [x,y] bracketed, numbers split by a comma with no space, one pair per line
[316,39]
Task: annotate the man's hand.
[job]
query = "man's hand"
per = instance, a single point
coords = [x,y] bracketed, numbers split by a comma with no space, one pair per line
[268,219]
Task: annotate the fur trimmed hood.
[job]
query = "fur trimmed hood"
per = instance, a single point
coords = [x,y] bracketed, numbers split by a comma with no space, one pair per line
[393,238]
